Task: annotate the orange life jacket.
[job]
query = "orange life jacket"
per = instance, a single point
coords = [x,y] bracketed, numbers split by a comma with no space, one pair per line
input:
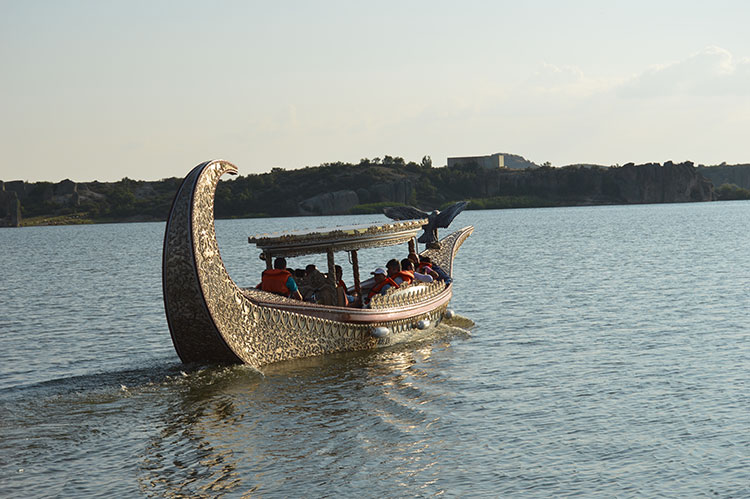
[376,289]
[406,276]
[274,280]
[422,266]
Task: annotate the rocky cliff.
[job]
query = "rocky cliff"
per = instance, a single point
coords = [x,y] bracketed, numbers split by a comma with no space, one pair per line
[738,175]
[571,185]
[653,183]
[10,208]
[341,202]
[329,203]
[629,184]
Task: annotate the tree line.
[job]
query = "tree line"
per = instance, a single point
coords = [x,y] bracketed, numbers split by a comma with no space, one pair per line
[375,182]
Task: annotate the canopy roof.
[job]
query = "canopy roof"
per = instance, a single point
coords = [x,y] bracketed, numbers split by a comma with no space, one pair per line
[343,238]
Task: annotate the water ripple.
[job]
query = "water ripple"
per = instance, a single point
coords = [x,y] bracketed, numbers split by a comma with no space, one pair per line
[609,358]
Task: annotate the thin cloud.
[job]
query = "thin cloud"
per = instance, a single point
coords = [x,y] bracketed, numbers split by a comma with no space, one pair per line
[551,77]
[553,85]
[712,72]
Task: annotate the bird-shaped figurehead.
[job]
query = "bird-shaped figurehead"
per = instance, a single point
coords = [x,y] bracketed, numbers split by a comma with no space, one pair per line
[435,220]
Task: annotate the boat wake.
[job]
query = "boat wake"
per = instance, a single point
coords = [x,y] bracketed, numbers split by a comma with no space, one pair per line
[170,374]
[456,326]
[127,382]
[460,322]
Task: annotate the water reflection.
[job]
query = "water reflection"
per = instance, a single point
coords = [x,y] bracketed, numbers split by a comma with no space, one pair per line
[323,422]
[185,457]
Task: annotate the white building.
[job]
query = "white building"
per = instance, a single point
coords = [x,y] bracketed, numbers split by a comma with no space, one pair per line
[488,162]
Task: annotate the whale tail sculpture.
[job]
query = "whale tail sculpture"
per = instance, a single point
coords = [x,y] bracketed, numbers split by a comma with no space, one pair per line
[435,220]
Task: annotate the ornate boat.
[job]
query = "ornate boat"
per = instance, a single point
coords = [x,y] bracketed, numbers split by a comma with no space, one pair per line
[212,319]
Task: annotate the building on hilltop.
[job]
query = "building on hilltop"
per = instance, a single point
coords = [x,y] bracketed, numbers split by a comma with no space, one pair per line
[488,162]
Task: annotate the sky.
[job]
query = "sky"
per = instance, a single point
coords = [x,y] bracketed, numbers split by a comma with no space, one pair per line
[105,89]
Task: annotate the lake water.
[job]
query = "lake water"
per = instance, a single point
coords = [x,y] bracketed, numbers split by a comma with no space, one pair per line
[610,357]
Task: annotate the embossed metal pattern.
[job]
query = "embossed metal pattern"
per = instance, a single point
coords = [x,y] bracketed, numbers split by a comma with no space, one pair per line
[345,239]
[407,295]
[449,245]
[194,334]
[212,320]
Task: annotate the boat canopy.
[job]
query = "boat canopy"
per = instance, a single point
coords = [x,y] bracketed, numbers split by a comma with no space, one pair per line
[342,238]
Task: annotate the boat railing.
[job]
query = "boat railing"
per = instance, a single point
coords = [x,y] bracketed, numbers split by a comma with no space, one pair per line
[407,295]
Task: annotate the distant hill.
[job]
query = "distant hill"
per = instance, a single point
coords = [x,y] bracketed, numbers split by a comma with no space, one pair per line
[367,187]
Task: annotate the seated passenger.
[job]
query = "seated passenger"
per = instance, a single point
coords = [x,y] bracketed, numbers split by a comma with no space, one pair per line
[425,263]
[340,283]
[299,274]
[422,269]
[279,280]
[382,284]
[312,284]
[408,266]
[414,260]
[394,267]
[399,275]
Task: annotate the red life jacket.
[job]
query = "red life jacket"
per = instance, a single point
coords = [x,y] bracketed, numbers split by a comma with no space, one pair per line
[376,289]
[341,284]
[407,276]
[274,280]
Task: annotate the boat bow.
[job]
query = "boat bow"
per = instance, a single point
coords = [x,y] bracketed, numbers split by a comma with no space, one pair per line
[194,279]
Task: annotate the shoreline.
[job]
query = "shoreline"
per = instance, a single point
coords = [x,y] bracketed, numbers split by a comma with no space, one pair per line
[82,219]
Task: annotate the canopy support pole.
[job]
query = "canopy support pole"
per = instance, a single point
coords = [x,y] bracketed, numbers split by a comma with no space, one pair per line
[331,268]
[355,273]
[332,277]
[268,258]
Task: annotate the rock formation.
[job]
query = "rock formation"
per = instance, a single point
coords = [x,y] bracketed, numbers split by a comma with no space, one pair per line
[398,192]
[629,184]
[10,208]
[738,175]
[329,203]
[653,183]
[17,186]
